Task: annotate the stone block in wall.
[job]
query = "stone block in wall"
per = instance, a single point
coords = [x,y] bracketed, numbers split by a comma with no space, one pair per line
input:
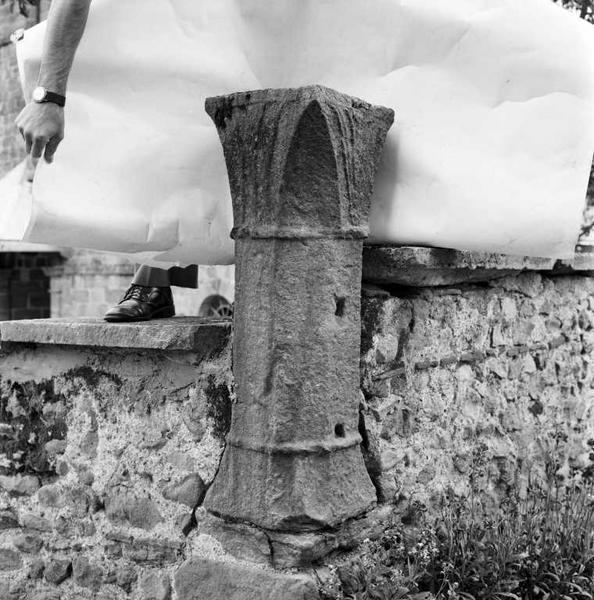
[219,580]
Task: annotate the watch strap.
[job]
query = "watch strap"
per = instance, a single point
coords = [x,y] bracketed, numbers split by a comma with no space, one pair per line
[55,98]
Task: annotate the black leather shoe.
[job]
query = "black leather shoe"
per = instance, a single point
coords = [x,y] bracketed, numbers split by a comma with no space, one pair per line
[142,303]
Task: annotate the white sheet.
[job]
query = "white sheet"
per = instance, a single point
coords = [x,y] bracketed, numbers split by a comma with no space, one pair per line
[490,150]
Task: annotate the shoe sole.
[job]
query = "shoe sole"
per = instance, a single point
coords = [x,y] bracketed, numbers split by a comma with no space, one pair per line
[163,313]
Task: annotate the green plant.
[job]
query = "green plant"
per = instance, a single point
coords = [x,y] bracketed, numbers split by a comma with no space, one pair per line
[390,568]
[536,546]
[540,546]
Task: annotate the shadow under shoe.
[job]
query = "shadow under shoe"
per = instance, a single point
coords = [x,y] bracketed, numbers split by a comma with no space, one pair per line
[142,303]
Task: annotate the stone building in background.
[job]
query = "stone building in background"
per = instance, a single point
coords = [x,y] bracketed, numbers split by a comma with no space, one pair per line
[88,283]
[41,281]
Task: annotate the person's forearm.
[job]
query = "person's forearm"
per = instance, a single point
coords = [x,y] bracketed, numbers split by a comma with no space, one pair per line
[65,27]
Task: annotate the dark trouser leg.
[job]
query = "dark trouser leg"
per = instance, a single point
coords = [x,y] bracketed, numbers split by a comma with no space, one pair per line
[155,277]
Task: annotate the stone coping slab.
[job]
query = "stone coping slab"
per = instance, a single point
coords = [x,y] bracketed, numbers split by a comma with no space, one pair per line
[26,247]
[178,333]
[420,266]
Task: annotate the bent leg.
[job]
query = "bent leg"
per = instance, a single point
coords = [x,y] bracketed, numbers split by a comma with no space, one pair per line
[156,277]
[184,276]
[151,277]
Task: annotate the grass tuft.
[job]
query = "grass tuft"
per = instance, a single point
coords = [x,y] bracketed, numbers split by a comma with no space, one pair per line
[536,546]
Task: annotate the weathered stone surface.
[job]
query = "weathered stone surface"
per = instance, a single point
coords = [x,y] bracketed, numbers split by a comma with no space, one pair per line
[82,500]
[86,574]
[54,447]
[57,570]
[125,507]
[32,521]
[155,586]
[46,595]
[86,477]
[51,496]
[302,549]
[301,165]
[185,522]
[62,468]
[126,576]
[89,444]
[92,408]
[146,551]
[33,414]
[10,560]
[27,542]
[200,578]
[180,333]
[7,520]
[421,267]
[36,569]
[189,491]
[19,485]
[503,365]
[239,540]
[87,528]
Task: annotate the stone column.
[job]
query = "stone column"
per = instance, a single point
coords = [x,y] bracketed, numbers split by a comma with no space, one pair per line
[301,165]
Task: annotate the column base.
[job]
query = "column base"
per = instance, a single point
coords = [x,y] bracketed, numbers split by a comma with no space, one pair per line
[291,493]
[201,578]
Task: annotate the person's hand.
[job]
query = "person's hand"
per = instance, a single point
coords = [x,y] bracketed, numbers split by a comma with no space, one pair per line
[42,128]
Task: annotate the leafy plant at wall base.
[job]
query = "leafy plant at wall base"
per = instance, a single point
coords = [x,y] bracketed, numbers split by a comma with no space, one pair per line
[536,547]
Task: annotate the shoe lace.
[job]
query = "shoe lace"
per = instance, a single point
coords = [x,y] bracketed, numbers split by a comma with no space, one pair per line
[136,292]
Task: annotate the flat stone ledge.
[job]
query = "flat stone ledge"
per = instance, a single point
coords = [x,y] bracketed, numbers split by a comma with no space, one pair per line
[192,334]
[419,266]
[28,247]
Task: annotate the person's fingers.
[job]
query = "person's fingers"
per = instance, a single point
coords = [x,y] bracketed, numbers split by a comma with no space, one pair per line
[51,147]
[30,169]
[38,147]
[28,142]
[19,125]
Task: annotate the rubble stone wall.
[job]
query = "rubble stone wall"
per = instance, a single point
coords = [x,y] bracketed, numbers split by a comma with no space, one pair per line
[106,455]
[106,452]
[478,386]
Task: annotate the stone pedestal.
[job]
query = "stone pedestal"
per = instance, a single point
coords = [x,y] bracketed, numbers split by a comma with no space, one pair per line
[301,165]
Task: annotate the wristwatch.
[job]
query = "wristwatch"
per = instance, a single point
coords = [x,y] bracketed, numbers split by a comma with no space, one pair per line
[40,95]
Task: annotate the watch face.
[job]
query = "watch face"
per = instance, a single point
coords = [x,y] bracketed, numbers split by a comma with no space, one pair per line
[39,94]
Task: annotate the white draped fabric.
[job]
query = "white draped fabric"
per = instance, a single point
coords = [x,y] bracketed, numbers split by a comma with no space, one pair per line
[490,150]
